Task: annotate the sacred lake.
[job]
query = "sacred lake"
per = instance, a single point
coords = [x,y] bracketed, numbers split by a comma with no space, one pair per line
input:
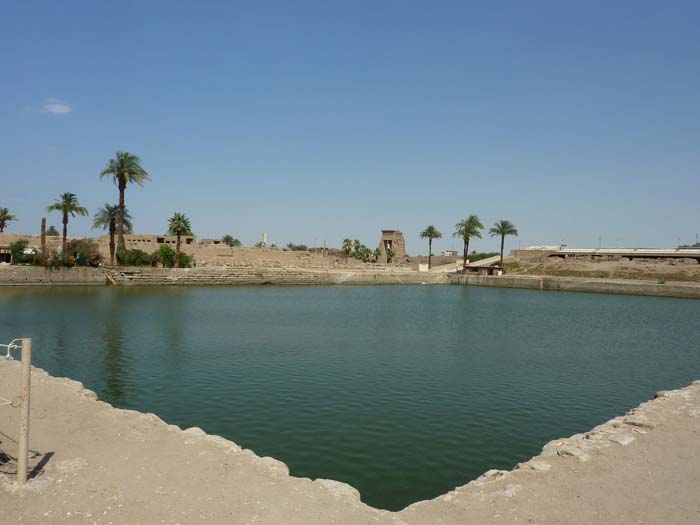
[404,392]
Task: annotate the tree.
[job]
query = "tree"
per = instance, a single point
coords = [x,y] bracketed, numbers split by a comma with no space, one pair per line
[52,231]
[179,225]
[5,217]
[106,218]
[347,248]
[503,228]
[166,256]
[357,245]
[125,168]
[17,250]
[83,252]
[466,229]
[67,204]
[229,240]
[430,233]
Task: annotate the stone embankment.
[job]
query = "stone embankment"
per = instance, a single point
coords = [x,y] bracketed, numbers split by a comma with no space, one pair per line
[96,464]
[33,275]
[244,275]
[276,276]
[582,284]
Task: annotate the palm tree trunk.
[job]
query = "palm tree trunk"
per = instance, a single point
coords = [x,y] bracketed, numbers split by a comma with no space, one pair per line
[177,252]
[430,253]
[65,231]
[503,240]
[466,253]
[112,227]
[120,240]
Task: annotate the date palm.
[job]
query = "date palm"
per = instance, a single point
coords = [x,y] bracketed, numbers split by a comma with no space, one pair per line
[503,228]
[430,233]
[5,217]
[467,229]
[357,245]
[347,248]
[124,168]
[67,204]
[178,226]
[106,218]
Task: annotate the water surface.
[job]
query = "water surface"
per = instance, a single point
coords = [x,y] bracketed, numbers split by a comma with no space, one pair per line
[405,392]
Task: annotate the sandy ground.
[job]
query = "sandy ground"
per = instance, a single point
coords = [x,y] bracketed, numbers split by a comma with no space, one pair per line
[651,269]
[100,465]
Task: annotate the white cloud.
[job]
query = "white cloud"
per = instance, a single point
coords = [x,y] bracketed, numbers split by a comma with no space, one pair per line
[57,107]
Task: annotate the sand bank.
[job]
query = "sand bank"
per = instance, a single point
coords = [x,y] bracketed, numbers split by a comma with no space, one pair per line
[99,464]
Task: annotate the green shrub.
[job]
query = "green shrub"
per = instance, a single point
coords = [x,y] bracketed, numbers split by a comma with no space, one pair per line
[84,252]
[229,240]
[134,257]
[186,261]
[166,256]
[17,252]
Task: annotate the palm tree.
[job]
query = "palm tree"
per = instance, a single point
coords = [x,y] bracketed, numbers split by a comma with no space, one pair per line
[357,245]
[5,217]
[347,248]
[67,204]
[503,228]
[430,233]
[466,229]
[125,168]
[179,225]
[106,218]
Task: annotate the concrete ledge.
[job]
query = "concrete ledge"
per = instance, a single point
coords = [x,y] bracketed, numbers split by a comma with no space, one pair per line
[582,284]
[37,276]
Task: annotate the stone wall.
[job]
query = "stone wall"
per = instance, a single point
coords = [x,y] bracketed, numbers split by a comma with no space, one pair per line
[263,276]
[580,284]
[34,275]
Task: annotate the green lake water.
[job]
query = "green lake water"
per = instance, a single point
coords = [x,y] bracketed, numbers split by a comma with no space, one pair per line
[404,392]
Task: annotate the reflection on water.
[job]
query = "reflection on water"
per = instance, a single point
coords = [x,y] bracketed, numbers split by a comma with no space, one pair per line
[403,392]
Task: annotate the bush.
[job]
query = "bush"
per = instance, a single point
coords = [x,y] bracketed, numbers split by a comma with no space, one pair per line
[297,247]
[57,260]
[17,249]
[165,256]
[84,252]
[186,261]
[135,257]
[229,240]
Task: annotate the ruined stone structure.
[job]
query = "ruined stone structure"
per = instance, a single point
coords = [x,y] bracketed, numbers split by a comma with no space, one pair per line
[392,240]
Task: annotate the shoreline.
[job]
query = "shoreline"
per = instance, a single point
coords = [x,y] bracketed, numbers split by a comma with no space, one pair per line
[256,276]
[676,289]
[103,472]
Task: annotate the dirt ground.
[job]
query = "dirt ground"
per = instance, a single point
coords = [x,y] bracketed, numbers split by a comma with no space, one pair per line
[687,270]
[95,464]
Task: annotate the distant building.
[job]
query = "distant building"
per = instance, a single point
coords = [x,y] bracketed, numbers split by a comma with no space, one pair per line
[149,243]
[210,242]
[392,240]
[449,253]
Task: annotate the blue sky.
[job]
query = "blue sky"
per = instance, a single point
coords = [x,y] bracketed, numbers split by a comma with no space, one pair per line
[325,120]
